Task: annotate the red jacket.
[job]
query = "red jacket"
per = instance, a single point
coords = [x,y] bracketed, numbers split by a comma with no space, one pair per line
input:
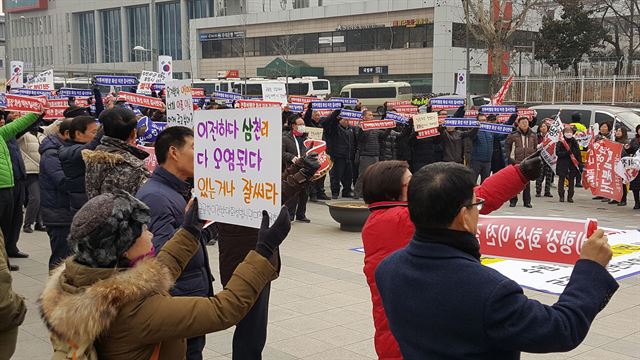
[389,228]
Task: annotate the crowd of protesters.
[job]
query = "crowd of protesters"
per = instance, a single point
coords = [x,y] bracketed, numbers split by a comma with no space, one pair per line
[86,183]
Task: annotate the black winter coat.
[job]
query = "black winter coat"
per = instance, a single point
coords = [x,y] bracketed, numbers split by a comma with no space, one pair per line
[290,150]
[369,141]
[423,151]
[565,166]
[341,141]
[54,198]
[389,146]
[74,169]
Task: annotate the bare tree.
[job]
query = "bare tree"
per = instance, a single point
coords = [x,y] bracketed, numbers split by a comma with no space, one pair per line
[495,22]
[284,47]
[621,18]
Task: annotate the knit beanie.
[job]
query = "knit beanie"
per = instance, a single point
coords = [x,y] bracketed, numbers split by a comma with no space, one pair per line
[106,227]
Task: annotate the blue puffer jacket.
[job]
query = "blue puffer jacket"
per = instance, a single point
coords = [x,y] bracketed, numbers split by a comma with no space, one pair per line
[483,147]
[74,169]
[54,199]
[167,196]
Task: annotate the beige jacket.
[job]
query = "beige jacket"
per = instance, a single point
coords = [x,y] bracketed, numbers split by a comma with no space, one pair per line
[29,145]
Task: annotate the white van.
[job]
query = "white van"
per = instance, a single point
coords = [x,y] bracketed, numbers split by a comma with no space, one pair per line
[374,95]
[307,86]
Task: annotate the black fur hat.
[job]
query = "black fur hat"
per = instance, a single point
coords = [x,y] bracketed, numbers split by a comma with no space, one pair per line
[106,227]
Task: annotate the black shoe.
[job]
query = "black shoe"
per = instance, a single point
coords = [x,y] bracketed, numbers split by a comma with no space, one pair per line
[335,196]
[622,203]
[548,195]
[605,200]
[18,255]
[292,219]
[14,268]
[27,229]
[528,206]
[561,198]
[323,196]
[636,206]
[512,204]
[597,198]
[304,220]
[611,202]
[313,199]
[40,227]
[578,185]
[538,195]
[570,200]
[349,194]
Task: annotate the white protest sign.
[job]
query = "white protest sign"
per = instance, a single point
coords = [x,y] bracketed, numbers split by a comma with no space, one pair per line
[147,79]
[179,103]
[314,133]
[238,164]
[16,76]
[42,81]
[425,121]
[274,91]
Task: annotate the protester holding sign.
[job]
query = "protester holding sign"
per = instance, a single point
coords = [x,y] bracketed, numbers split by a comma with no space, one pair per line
[547,172]
[116,163]
[567,150]
[341,146]
[389,227]
[482,153]
[633,149]
[621,136]
[368,144]
[292,149]
[312,120]
[452,140]
[467,308]
[520,144]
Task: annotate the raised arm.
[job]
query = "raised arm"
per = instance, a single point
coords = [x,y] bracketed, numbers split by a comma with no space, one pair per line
[10,130]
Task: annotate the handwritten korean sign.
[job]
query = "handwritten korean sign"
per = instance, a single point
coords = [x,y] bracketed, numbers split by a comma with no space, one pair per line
[179,103]
[147,79]
[237,171]
[426,125]
[42,81]
[274,92]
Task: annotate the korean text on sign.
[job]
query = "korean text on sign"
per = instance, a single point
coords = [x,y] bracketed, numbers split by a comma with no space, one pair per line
[237,171]
[179,103]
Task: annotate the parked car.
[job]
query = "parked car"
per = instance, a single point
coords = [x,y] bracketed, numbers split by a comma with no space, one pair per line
[591,114]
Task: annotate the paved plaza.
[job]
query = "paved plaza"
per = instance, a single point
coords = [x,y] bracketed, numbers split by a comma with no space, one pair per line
[321,308]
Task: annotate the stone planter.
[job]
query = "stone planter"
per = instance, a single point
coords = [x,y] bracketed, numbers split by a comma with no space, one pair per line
[350,214]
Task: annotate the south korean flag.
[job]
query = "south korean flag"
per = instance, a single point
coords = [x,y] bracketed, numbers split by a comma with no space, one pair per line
[165,67]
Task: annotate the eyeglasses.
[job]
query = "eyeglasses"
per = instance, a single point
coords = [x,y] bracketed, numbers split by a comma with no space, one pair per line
[478,203]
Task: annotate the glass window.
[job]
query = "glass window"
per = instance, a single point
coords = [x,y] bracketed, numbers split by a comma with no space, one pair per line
[261,46]
[311,43]
[418,36]
[383,38]
[603,117]
[273,45]
[200,8]
[138,25]
[299,4]
[400,38]
[298,89]
[237,47]
[226,48]
[169,29]
[368,39]
[377,93]
[87,31]
[111,36]
[404,90]
[320,85]
[354,40]
[296,43]
[325,42]
[339,44]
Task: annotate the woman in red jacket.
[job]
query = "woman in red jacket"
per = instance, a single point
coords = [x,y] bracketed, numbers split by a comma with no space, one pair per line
[389,227]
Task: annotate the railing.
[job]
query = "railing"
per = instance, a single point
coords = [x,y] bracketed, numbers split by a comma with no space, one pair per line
[575,90]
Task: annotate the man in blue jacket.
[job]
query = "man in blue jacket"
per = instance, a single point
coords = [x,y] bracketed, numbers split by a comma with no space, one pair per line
[166,193]
[442,303]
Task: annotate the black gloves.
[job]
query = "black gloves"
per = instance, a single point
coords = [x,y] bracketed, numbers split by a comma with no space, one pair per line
[310,164]
[531,167]
[269,238]
[192,222]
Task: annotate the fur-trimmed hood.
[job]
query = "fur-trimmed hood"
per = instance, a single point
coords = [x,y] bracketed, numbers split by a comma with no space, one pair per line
[79,302]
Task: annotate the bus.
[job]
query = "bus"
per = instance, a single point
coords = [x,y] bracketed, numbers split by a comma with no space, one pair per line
[374,95]
[211,85]
[307,86]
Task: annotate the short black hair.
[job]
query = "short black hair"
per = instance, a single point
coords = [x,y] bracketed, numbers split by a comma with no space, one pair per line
[74,111]
[64,126]
[171,136]
[382,181]
[292,119]
[80,123]
[437,192]
[118,122]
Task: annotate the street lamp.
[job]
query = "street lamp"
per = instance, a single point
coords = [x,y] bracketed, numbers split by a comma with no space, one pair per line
[142,49]
[33,44]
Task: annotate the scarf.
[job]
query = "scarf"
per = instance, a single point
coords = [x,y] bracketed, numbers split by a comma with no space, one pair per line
[461,240]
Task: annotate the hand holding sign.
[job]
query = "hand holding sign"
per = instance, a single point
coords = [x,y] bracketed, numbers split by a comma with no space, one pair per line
[597,248]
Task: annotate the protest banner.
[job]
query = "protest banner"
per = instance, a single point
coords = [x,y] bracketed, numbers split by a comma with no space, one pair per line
[326,105]
[498,109]
[346,101]
[319,147]
[296,108]
[16,79]
[599,171]
[351,114]
[141,100]
[496,128]
[407,109]
[70,92]
[531,238]
[165,68]
[179,103]
[146,81]
[628,167]
[59,103]
[237,172]
[197,93]
[25,103]
[117,81]
[224,95]
[377,124]
[55,112]
[399,118]
[42,81]
[550,142]
[391,104]
[530,113]
[151,162]
[248,104]
[426,125]
[3,100]
[150,130]
[302,99]
[446,103]
[314,133]
[32,92]
[354,122]
[471,114]
[274,92]
[461,122]
[502,93]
